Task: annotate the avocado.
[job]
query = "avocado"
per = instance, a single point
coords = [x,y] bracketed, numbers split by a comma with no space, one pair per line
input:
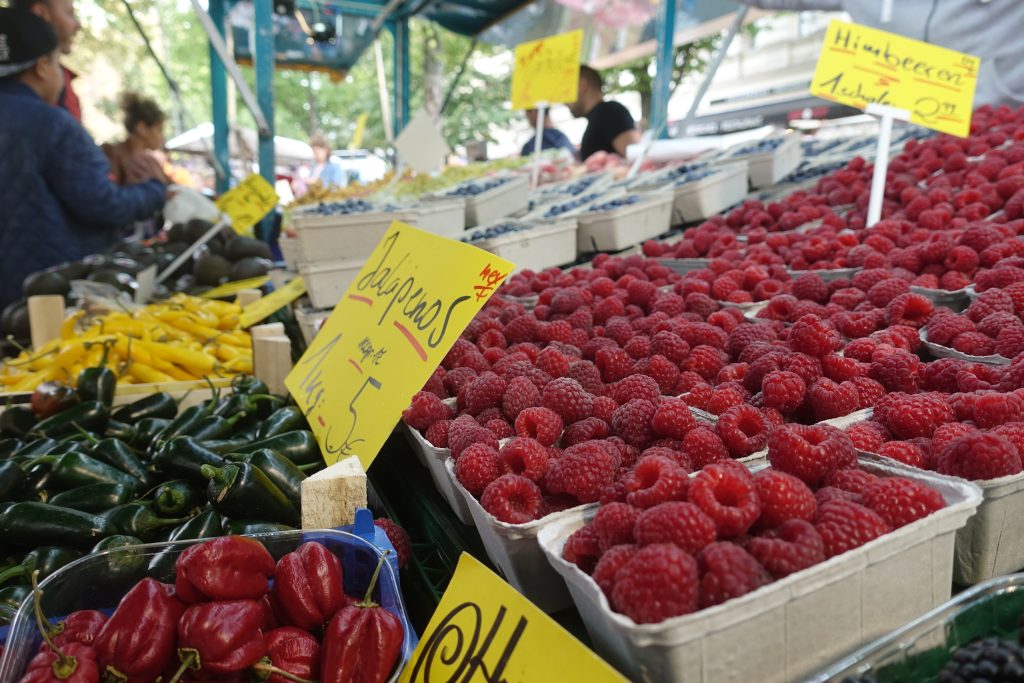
[14,320]
[176,247]
[123,281]
[45,282]
[96,261]
[74,270]
[176,233]
[250,266]
[145,257]
[184,282]
[240,247]
[211,270]
[215,246]
[125,265]
[195,229]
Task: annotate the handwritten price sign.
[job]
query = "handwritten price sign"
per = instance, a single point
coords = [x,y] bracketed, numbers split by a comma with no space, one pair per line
[393,326]
[247,202]
[860,66]
[547,70]
[484,630]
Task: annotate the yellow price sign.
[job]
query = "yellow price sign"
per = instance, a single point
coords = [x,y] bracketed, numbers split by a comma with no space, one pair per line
[247,202]
[357,136]
[229,288]
[392,327]
[266,306]
[547,70]
[484,630]
[859,66]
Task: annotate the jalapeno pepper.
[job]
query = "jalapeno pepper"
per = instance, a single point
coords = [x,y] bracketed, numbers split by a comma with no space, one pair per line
[31,524]
[17,421]
[94,497]
[13,480]
[46,559]
[9,447]
[136,519]
[284,419]
[137,643]
[121,430]
[298,445]
[308,586]
[75,469]
[247,384]
[224,446]
[184,457]
[36,447]
[125,561]
[213,427]
[240,490]
[155,406]
[146,430]
[206,524]
[115,453]
[37,478]
[12,596]
[186,421]
[226,568]
[175,498]
[97,383]
[88,415]
[280,470]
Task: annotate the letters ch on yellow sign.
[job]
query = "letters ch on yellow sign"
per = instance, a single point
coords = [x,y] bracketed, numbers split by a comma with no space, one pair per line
[484,630]
[392,327]
[547,70]
[860,66]
[247,202]
[266,306]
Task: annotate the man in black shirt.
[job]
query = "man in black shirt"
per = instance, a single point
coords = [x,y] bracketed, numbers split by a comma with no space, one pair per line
[610,128]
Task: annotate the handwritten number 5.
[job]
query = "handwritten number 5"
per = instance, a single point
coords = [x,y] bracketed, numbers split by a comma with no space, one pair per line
[349,444]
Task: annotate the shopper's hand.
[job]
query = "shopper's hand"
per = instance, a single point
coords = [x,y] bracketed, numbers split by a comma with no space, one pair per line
[143,167]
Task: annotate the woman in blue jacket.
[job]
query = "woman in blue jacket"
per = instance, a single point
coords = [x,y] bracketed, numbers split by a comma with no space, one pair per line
[57,202]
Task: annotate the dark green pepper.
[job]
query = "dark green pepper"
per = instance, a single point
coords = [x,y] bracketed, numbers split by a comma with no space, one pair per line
[67,446]
[207,524]
[36,447]
[280,470]
[160,405]
[88,415]
[97,383]
[124,559]
[136,519]
[33,524]
[299,446]
[13,480]
[12,596]
[242,491]
[94,497]
[186,421]
[116,454]
[9,447]
[17,421]
[247,384]
[175,498]
[146,430]
[213,427]
[121,430]
[37,478]
[283,420]
[75,469]
[182,457]
[47,559]
[223,446]
[249,527]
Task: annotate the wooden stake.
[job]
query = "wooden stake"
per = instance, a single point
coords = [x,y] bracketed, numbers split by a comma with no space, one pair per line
[45,315]
[272,361]
[247,296]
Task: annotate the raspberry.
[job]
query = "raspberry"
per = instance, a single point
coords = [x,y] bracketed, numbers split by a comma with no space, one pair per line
[552,362]
[684,525]
[525,457]
[437,433]
[614,363]
[974,344]
[840,368]
[627,455]
[671,346]
[486,391]
[810,286]
[988,302]
[896,371]
[589,429]
[810,453]
[905,452]
[783,497]
[746,334]
[947,433]
[500,428]
[581,548]
[399,539]
[662,371]
[657,583]
[743,429]
[979,456]
[613,524]
[830,399]
[900,501]
[728,571]
[567,398]
[911,416]
[867,436]
[609,565]
[881,293]
[943,329]
[512,499]
[814,336]
[845,525]
[727,495]
[583,471]
[462,436]
[1012,432]
[520,394]
[724,398]
[424,410]
[632,421]
[993,409]
[635,386]
[783,391]
[542,424]
[913,310]
[704,446]
[1010,342]
[477,467]
[655,479]
[587,374]
[706,361]
[851,479]
[673,419]
[793,545]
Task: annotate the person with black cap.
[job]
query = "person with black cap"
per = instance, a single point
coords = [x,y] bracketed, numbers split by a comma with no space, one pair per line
[57,202]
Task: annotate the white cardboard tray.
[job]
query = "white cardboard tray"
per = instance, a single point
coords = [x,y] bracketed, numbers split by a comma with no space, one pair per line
[542,246]
[508,198]
[711,195]
[434,459]
[940,351]
[326,281]
[625,226]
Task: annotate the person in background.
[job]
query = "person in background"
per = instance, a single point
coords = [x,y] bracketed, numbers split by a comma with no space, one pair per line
[144,122]
[60,204]
[551,137]
[60,14]
[989,29]
[610,127]
[327,171]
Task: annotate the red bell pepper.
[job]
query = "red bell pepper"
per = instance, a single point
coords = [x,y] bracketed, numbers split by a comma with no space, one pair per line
[362,641]
[270,621]
[80,627]
[226,568]
[292,655]
[308,587]
[72,663]
[220,637]
[137,642]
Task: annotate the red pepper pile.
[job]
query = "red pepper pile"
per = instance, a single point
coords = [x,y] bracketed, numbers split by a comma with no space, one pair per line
[222,620]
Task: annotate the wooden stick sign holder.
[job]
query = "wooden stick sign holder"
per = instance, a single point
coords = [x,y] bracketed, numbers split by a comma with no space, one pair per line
[542,111]
[886,115]
[271,356]
[45,316]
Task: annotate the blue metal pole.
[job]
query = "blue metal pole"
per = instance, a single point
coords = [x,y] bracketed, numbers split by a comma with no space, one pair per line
[219,92]
[263,60]
[663,59]
[400,62]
